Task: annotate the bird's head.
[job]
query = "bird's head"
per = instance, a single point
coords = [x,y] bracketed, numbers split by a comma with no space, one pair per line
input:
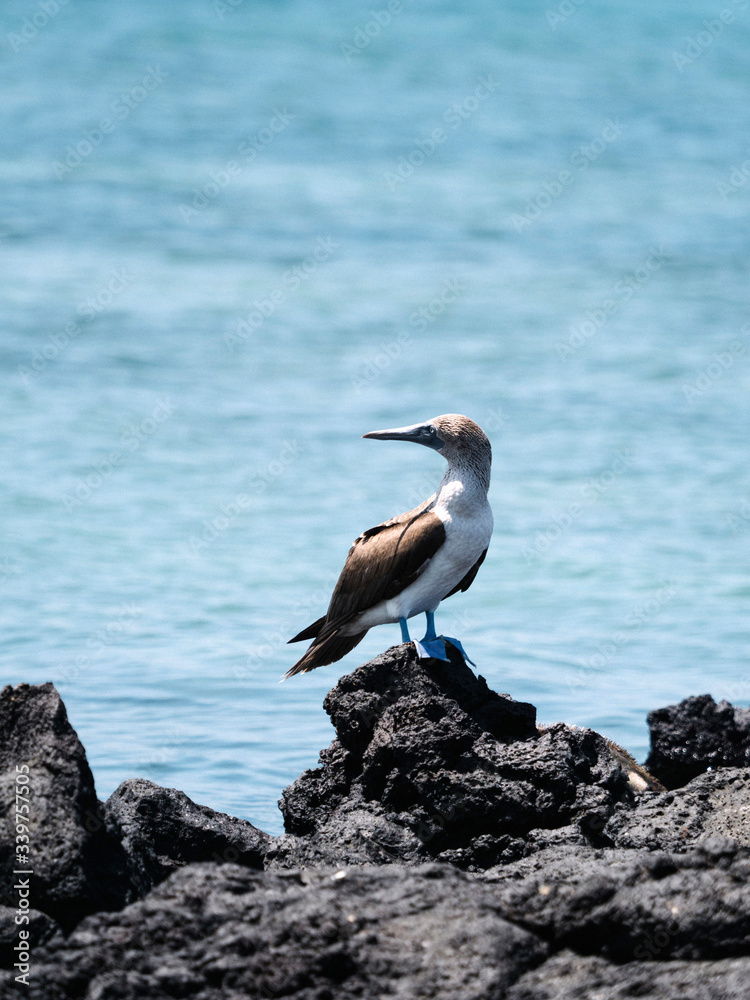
[458,439]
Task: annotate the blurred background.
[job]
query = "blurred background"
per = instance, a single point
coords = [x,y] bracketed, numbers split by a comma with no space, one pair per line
[235,236]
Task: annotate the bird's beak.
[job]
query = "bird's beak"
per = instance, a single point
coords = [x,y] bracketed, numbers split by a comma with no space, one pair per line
[419,433]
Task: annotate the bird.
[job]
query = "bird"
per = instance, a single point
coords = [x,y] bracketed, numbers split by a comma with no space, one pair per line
[410,563]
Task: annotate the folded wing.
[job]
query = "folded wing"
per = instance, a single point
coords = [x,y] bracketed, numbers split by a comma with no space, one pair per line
[382,562]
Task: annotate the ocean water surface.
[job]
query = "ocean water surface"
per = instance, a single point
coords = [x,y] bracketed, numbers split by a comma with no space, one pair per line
[236,236]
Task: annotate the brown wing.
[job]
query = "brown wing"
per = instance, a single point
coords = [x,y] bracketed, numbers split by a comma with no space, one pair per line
[401,519]
[469,578]
[384,561]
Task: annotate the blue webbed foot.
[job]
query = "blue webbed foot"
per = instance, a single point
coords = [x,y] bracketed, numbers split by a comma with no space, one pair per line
[435,649]
[432,646]
[430,649]
[459,647]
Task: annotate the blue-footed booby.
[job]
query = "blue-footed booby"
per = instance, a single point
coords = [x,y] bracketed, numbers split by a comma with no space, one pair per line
[407,565]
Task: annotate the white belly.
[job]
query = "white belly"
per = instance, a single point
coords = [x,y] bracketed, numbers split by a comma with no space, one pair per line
[466,538]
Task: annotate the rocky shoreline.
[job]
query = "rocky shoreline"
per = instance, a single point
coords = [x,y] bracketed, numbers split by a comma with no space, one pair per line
[444,847]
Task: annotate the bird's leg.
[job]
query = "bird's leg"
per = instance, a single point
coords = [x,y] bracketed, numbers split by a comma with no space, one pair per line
[432,646]
[405,637]
[430,633]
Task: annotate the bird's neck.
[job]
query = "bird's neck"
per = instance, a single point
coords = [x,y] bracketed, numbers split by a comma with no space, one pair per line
[464,482]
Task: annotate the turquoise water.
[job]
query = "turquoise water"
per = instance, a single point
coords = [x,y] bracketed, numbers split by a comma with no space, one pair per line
[235,237]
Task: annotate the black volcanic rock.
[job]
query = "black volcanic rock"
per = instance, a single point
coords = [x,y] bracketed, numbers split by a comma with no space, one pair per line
[697,734]
[583,885]
[430,764]
[40,929]
[78,866]
[568,976]
[87,856]
[638,906]
[228,933]
[713,804]
[161,829]
[223,931]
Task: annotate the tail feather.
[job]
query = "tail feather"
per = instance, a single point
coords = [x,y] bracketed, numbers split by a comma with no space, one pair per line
[311,631]
[325,651]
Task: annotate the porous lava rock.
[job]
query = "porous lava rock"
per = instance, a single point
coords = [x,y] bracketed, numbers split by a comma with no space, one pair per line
[697,734]
[429,763]
[635,905]
[213,932]
[161,829]
[78,865]
[40,928]
[716,803]
[582,878]
[569,976]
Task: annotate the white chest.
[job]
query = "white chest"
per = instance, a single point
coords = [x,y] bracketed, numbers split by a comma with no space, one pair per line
[461,504]
[467,518]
